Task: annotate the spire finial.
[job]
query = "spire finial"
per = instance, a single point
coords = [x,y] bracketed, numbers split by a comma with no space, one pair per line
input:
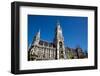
[38,33]
[58,23]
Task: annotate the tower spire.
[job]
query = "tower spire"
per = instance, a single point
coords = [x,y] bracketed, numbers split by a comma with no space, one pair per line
[59,42]
[58,28]
[38,34]
[36,38]
[58,24]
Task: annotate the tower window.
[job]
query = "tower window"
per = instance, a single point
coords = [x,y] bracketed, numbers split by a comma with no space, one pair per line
[60,44]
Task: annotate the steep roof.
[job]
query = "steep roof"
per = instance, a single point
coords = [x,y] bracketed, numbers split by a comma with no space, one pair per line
[46,43]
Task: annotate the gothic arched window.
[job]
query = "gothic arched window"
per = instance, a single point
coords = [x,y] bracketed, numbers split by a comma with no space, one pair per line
[60,44]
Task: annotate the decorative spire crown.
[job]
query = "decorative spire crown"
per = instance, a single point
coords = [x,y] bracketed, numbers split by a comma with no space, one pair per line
[38,34]
[58,25]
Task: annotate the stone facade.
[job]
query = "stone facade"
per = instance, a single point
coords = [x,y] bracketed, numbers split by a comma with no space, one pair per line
[44,50]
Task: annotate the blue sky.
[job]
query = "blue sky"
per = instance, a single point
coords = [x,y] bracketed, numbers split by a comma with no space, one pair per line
[75,29]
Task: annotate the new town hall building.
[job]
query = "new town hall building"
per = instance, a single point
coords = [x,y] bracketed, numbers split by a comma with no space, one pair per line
[44,50]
